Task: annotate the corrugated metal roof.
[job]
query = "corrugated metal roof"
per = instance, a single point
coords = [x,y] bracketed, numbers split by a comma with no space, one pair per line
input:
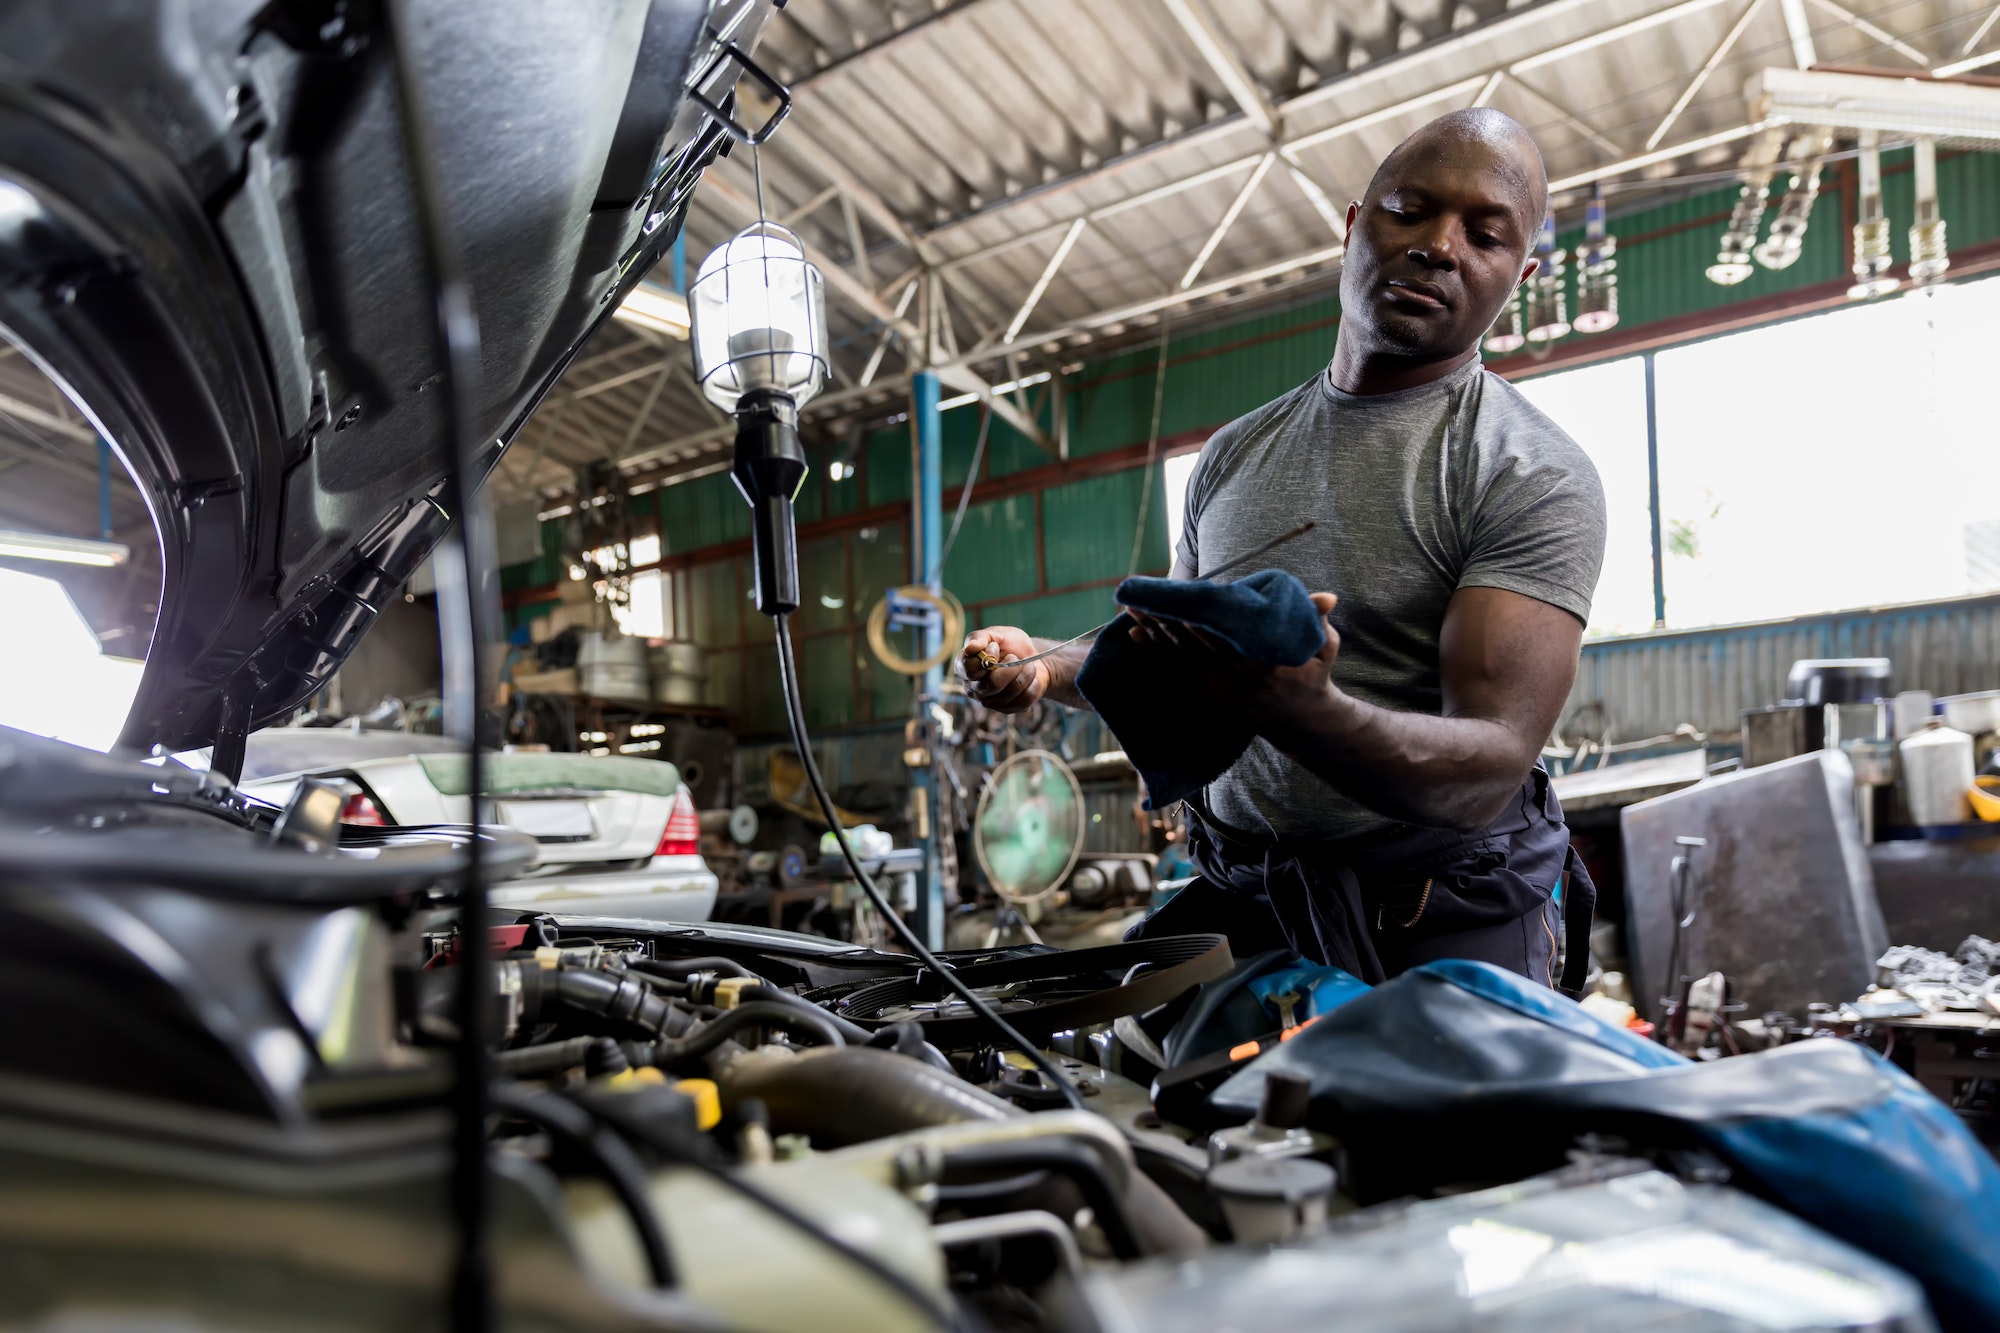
[977,139]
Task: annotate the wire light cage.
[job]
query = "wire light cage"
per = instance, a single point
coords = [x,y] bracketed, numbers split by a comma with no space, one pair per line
[758,309]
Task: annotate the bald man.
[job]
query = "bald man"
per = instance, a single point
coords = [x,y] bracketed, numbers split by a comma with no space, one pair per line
[1392,810]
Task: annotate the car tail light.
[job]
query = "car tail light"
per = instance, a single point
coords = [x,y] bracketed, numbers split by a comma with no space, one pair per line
[683,835]
[358,809]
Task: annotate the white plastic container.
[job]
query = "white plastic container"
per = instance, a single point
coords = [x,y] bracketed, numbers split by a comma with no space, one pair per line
[1937,772]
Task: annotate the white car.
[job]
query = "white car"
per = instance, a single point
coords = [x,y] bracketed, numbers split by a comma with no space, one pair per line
[619,836]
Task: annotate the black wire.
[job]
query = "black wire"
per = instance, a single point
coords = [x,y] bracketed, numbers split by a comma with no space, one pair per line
[795,714]
[618,1166]
[455,344]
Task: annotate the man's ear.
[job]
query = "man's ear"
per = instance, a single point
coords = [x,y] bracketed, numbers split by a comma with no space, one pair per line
[1528,270]
[1353,212]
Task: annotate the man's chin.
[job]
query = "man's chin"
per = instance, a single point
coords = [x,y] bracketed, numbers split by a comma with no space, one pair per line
[1414,337]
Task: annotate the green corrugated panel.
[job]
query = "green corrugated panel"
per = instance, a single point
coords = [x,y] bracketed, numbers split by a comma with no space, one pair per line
[763,710]
[994,556]
[718,603]
[885,696]
[880,563]
[1054,617]
[826,679]
[823,584]
[725,681]
[1087,528]
[704,512]
[888,473]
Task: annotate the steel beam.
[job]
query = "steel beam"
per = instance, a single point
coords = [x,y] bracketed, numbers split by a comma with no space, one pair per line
[1056,259]
[1715,58]
[1979,33]
[23,410]
[1214,50]
[1799,28]
[1392,72]
[1876,33]
[1228,219]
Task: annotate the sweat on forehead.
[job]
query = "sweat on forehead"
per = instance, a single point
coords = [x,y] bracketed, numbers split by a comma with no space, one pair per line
[1513,152]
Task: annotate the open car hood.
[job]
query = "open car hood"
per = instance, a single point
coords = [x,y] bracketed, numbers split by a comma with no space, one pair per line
[208,239]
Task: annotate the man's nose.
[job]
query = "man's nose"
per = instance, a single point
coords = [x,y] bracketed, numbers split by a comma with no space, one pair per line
[1437,247]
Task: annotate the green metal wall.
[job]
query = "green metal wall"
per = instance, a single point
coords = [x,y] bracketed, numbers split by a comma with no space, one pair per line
[1046,555]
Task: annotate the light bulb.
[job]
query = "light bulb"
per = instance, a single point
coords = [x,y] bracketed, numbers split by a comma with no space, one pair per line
[1548,305]
[1781,249]
[1928,257]
[1871,229]
[1732,261]
[758,309]
[1506,335]
[1596,272]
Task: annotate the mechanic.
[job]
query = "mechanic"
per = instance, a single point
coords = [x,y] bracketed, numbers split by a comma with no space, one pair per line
[1392,810]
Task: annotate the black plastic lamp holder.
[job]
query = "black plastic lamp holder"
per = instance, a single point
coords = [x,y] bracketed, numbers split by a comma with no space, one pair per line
[769,469]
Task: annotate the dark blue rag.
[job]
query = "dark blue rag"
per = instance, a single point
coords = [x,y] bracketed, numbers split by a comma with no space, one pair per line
[1142,693]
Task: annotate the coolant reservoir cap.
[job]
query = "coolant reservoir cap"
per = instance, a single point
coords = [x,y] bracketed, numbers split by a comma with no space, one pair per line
[1286,1094]
[1272,1179]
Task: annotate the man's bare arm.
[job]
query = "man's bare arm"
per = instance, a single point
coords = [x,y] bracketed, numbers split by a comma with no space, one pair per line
[1507,663]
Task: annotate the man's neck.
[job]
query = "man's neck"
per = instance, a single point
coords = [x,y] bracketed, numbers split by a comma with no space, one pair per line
[1366,373]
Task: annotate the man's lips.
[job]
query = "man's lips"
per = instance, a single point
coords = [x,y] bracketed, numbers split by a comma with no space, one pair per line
[1417,293]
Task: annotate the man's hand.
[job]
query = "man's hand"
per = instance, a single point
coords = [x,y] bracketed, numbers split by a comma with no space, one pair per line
[1275,698]
[1003,689]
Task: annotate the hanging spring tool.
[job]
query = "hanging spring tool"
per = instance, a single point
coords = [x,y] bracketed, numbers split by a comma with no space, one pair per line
[991,661]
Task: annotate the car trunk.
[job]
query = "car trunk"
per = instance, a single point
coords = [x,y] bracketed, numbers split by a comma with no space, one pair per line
[580,808]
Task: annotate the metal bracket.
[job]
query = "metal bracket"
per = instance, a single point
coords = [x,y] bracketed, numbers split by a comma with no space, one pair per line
[723,118]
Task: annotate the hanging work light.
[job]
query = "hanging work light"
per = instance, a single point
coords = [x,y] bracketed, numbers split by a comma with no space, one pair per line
[1732,261]
[1781,249]
[1596,272]
[1505,336]
[1871,228]
[1548,305]
[1928,258]
[759,321]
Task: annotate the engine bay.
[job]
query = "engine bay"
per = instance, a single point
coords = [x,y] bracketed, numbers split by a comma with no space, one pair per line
[729,1126]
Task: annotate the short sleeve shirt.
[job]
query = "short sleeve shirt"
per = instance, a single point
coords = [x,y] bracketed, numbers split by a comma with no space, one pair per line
[1459,483]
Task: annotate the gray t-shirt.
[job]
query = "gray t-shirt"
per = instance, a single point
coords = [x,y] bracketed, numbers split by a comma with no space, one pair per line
[1455,484]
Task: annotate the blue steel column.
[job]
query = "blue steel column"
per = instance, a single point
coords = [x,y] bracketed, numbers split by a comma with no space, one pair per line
[104,489]
[1653,498]
[928,510]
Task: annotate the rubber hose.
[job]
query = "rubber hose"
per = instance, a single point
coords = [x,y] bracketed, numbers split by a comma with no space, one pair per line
[541,1061]
[626,1001]
[732,1021]
[1070,1160]
[857,1094]
[853,1033]
[679,969]
[616,1163]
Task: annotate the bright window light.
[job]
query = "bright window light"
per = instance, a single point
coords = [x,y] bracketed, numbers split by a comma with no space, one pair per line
[66,688]
[1603,408]
[647,617]
[1837,461]
[1830,462]
[1175,473]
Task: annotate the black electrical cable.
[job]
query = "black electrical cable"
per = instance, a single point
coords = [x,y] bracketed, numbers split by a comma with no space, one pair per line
[618,1166]
[761,1013]
[460,564]
[795,715]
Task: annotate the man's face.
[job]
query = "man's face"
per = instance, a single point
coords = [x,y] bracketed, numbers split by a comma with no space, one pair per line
[1432,256]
